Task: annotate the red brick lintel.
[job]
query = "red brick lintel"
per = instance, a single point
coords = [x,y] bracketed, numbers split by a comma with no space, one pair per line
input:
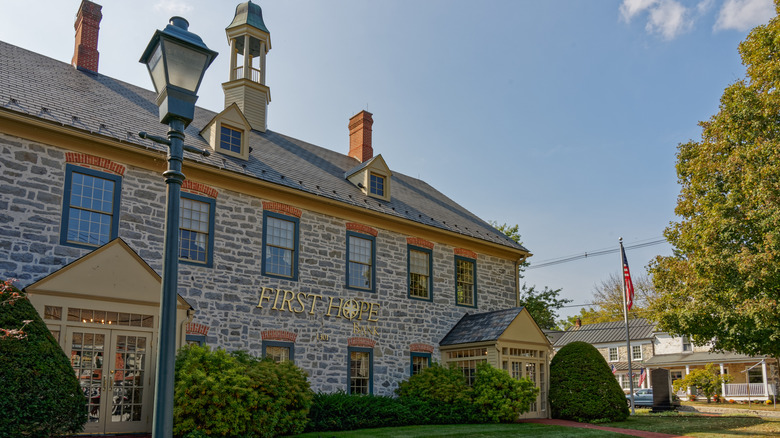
[465,253]
[417,241]
[94,162]
[279,335]
[360,228]
[197,329]
[285,209]
[199,189]
[361,342]
[421,348]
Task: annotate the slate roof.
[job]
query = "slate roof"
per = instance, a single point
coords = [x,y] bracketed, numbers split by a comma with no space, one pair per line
[605,332]
[54,91]
[481,327]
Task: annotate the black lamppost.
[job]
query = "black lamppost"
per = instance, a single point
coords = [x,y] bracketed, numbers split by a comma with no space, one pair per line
[177,60]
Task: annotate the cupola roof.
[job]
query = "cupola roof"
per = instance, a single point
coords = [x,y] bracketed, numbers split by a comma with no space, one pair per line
[249,13]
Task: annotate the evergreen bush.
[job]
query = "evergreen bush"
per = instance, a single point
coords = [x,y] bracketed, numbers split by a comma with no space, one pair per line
[436,383]
[40,395]
[582,387]
[222,394]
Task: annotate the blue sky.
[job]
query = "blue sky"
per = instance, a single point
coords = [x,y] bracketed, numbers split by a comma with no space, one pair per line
[562,116]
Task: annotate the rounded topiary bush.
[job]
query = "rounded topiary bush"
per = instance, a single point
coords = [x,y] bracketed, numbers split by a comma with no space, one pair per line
[233,394]
[40,395]
[582,386]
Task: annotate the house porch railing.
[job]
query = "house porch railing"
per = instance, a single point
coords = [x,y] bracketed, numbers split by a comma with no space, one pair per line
[254,74]
[748,390]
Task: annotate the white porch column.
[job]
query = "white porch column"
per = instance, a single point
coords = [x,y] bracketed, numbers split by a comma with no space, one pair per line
[233,56]
[722,384]
[247,58]
[763,375]
[688,371]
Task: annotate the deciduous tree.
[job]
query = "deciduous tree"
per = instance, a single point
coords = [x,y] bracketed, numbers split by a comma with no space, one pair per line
[543,305]
[708,380]
[723,282]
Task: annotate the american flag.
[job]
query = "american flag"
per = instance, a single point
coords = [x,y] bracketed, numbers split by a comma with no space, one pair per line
[627,285]
[642,376]
[614,370]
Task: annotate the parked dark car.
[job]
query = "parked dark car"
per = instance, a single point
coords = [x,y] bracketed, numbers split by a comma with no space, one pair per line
[642,397]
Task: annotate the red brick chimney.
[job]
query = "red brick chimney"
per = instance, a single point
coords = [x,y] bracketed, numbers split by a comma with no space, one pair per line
[85,54]
[360,136]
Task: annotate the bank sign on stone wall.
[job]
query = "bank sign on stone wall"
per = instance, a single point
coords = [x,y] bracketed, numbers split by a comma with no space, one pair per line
[299,302]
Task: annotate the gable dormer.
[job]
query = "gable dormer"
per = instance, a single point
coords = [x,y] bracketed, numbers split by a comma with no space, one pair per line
[227,133]
[372,178]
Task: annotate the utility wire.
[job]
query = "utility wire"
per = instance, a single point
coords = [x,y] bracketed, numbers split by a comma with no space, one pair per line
[600,252]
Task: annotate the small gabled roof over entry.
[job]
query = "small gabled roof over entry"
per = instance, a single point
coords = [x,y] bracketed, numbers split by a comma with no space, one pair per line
[514,324]
[113,272]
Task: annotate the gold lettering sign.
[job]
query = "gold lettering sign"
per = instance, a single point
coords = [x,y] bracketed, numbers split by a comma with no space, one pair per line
[290,301]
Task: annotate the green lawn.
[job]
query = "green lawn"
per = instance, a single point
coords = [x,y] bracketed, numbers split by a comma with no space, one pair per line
[672,423]
[692,424]
[752,406]
[468,430]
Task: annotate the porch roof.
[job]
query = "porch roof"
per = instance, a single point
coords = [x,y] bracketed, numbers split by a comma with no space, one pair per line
[699,358]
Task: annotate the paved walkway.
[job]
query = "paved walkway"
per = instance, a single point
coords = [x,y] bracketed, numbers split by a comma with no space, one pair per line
[631,432]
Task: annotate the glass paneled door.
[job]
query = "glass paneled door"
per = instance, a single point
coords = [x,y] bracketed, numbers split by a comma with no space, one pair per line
[113,369]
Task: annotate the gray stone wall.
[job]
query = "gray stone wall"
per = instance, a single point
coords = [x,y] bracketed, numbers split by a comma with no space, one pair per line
[226,296]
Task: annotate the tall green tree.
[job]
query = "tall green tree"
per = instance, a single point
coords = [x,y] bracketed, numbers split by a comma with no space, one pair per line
[544,304]
[722,283]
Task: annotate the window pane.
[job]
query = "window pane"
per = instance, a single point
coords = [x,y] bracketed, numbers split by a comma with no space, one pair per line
[230,139]
[278,354]
[465,280]
[377,184]
[90,212]
[359,372]
[279,246]
[193,229]
[360,261]
[419,271]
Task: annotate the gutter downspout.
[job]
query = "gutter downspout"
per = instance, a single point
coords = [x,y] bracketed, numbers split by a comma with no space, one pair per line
[517,279]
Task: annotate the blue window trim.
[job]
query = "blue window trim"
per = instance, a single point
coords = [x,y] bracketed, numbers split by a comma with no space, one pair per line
[373,261]
[473,262]
[231,134]
[289,345]
[200,339]
[210,250]
[414,354]
[69,169]
[297,222]
[370,352]
[374,189]
[409,249]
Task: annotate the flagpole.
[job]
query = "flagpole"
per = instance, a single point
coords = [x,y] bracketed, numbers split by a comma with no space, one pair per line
[625,319]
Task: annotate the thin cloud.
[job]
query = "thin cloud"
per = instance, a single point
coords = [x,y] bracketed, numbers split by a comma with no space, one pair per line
[744,14]
[667,18]
[172,6]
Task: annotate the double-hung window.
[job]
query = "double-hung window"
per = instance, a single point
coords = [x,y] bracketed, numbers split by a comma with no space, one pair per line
[280,245]
[279,351]
[196,229]
[360,362]
[420,278]
[361,258]
[636,352]
[90,207]
[613,354]
[466,281]
[419,362]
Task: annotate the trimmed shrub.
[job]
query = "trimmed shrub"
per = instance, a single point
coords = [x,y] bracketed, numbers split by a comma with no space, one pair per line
[341,411]
[499,397]
[582,387]
[40,395]
[221,394]
[436,383]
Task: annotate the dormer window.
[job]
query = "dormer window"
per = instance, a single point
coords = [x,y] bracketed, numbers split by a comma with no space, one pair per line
[377,185]
[228,133]
[230,139]
[372,177]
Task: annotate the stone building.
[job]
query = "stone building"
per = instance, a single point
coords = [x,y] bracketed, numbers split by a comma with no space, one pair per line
[332,260]
[753,377]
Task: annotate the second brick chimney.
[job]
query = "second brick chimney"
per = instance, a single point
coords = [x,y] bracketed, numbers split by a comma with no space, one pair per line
[85,54]
[360,136]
